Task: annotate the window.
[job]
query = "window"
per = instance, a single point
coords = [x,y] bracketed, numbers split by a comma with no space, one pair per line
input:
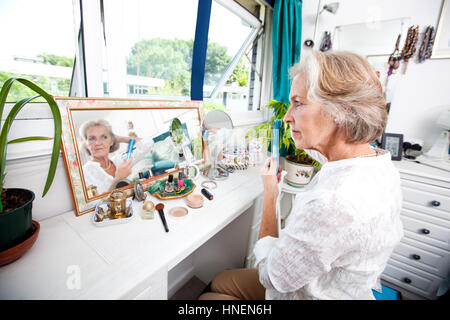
[45,55]
[147,47]
[231,38]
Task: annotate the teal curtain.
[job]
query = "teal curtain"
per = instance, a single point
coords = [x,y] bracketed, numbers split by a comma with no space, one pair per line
[286,42]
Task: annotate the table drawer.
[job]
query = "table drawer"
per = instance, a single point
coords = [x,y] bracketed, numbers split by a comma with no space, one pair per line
[426,232]
[432,197]
[415,281]
[422,256]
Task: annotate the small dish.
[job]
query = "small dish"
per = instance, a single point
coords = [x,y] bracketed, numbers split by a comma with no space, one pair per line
[178,212]
[194,201]
[12,254]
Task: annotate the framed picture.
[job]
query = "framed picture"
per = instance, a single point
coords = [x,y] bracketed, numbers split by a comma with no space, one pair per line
[393,142]
[441,47]
[149,121]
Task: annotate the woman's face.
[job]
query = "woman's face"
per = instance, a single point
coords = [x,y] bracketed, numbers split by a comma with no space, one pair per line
[310,129]
[99,141]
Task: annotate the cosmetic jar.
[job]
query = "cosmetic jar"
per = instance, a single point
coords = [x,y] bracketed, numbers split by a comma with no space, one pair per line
[194,201]
[209,184]
[148,210]
[178,212]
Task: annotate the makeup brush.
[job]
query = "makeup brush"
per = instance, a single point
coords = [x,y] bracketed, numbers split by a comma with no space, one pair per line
[160,208]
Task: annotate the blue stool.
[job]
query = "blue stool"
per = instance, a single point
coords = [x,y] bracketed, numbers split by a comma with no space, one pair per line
[386,294]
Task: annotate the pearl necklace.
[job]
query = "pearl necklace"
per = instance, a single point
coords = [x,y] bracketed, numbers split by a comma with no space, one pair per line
[109,165]
[373,154]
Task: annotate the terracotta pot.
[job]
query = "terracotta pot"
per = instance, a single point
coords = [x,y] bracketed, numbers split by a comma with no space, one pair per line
[298,174]
[16,225]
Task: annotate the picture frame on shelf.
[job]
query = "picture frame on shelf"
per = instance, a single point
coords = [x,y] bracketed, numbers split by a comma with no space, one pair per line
[393,142]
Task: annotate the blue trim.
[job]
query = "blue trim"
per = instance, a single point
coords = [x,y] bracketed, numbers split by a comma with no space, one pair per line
[199,51]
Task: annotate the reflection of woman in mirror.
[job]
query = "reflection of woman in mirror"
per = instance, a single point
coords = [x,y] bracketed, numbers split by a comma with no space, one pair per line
[103,170]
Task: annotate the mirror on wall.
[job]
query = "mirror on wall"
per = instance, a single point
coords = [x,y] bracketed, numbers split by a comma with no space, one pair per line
[108,144]
[376,40]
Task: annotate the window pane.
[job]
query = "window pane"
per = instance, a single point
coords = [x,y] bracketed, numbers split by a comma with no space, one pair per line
[227,34]
[37,44]
[157,44]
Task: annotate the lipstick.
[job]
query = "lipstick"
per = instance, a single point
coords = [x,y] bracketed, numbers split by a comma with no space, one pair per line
[207,194]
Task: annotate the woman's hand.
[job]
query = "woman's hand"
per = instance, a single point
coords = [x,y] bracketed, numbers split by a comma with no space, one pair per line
[270,177]
[123,170]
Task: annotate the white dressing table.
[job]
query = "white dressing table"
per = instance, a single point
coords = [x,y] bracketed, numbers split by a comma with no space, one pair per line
[74,259]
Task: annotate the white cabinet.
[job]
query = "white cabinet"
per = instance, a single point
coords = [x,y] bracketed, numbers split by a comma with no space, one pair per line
[421,261]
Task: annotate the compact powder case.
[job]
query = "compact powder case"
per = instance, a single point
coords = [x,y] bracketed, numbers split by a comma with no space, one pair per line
[194,201]
[178,212]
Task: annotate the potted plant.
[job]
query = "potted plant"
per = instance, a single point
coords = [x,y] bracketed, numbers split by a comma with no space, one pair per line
[16,223]
[299,165]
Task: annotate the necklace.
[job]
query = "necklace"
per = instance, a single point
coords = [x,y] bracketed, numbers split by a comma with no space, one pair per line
[373,154]
[109,165]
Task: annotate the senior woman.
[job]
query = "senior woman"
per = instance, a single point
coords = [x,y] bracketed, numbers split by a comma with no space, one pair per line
[343,228]
[99,141]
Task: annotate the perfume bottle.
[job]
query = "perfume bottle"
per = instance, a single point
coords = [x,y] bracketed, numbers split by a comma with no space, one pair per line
[169,184]
[131,132]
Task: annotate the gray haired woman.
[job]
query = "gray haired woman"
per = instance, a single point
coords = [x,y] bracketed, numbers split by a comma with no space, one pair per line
[343,228]
[99,141]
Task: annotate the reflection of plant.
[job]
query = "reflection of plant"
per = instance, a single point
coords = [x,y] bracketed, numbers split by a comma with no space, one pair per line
[11,117]
[208,106]
[286,142]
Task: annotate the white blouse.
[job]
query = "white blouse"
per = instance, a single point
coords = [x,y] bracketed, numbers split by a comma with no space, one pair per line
[95,175]
[339,234]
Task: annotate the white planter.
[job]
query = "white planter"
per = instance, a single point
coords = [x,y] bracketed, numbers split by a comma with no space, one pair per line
[298,175]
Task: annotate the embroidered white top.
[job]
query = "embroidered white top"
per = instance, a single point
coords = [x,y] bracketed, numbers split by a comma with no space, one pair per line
[95,175]
[339,234]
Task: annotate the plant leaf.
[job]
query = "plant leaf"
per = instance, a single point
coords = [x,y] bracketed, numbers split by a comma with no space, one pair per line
[29,139]
[19,105]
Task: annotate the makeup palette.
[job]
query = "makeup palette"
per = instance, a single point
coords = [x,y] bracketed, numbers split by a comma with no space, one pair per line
[178,212]
[194,201]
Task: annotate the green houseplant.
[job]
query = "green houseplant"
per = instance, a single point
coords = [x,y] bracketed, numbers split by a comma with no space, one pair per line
[287,145]
[15,204]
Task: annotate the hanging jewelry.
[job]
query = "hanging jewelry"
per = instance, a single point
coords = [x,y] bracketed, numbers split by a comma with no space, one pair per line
[326,42]
[393,62]
[409,47]
[427,44]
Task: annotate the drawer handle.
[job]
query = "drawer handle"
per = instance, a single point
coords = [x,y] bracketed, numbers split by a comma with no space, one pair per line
[407,280]
[425,231]
[416,257]
[435,203]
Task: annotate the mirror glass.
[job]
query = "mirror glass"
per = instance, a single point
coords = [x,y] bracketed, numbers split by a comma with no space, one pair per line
[375,40]
[371,38]
[218,129]
[96,143]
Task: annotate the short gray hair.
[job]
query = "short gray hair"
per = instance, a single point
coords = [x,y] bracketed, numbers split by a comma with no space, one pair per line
[94,123]
[348,89]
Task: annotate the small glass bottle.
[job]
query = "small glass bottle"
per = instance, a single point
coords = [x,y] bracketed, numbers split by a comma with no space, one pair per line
[148,210]
[169,184]
[131,132]
[180,182]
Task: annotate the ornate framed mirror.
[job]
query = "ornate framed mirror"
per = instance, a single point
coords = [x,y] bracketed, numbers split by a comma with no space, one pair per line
[108,144]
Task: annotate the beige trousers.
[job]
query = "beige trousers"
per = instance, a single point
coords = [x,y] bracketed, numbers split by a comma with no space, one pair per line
[236,284]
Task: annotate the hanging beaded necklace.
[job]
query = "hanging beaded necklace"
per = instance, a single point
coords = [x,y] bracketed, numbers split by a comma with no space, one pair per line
[410,45]
[427,44]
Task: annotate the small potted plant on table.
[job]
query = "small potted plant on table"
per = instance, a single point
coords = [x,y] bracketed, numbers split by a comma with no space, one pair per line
[17,229]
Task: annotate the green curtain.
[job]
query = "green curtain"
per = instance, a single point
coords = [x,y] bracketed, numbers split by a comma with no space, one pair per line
[286,42]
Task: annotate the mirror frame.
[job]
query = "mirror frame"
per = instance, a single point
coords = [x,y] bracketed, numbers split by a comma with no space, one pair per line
[69,147]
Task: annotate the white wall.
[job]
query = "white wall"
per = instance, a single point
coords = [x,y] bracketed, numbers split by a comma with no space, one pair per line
[422,93]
